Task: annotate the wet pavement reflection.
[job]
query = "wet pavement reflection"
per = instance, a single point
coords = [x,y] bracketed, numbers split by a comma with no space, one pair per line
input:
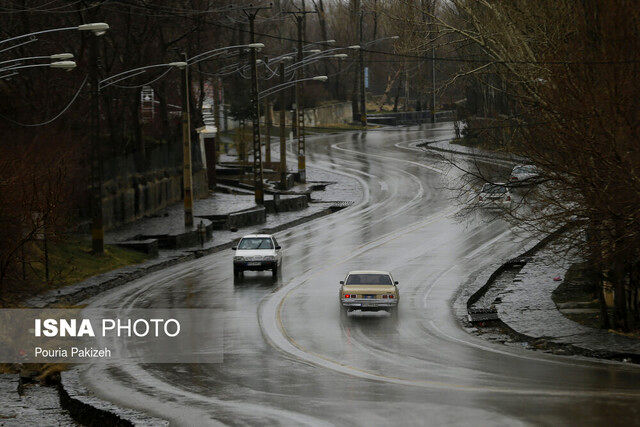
[290,358]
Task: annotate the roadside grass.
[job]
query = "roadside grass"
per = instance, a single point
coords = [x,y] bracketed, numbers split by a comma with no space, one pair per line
[70,261]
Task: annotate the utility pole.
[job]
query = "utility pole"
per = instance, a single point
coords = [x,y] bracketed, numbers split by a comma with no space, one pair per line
[268,110]
[283,137]
[268,123]
[258,182]
[406,86]
[299,88]
[216,115]
[363,95]
[302,172]
[186,148]
[97,225]
[433,84]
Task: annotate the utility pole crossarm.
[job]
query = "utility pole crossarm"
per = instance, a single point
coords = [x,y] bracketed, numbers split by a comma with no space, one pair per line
[300,19]
[258,181]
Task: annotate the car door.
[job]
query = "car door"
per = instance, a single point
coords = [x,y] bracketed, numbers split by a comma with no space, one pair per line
[278,251]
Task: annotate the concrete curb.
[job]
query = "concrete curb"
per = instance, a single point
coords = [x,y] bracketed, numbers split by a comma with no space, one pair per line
[483,280]
[81,404]
[485,156]
[93,411]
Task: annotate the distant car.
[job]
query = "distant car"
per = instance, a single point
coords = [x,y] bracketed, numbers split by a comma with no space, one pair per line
[494,194]
[524,173]
[257,252]
[369,291]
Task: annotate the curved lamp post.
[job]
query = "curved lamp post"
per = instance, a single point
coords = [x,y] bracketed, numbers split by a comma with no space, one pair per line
[61,65]
[57,57]
[287,85]
[98,28]
[106,82]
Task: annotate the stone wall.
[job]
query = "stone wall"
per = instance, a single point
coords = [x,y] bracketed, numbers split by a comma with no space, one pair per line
[132,190]
[126,199]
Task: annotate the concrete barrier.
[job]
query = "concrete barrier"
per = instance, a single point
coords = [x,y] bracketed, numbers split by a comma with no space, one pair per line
[286,203]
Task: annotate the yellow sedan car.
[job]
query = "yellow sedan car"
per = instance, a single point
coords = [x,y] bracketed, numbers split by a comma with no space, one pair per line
[369,291]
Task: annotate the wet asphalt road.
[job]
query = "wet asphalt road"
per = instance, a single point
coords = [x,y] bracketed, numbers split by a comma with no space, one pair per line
[290,359]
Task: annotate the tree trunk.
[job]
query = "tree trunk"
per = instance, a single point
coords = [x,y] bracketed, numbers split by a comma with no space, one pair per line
[620,320]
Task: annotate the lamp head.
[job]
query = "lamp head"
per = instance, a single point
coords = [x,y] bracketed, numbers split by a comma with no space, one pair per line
[98,28]
[320,78]
[179,64]
[355,46]
[64,65]
[61,56]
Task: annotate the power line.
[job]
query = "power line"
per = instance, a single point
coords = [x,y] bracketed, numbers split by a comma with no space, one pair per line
[54,117]
[412,56]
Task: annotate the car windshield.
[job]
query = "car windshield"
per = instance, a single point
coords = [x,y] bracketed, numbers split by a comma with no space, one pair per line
[368,279]
[494,189]
[255,243]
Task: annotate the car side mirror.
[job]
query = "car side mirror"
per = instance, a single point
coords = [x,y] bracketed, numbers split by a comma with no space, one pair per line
[234,248]
[396,283]
[278,247]
[342,282]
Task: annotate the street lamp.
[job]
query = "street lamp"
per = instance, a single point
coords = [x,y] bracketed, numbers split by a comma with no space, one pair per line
[286,85]
[61,65]
[314,58]
[259,194]
[214,52]
[280,88]
[64,65]
[98,28]
[331,41]
[57,56]
[98,230]
[135,72]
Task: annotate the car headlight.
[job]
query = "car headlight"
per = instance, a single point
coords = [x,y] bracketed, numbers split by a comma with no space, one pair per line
[269,258]
[238,258]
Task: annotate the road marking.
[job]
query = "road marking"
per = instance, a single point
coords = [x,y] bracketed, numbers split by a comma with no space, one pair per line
[360,153]
[489,243]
